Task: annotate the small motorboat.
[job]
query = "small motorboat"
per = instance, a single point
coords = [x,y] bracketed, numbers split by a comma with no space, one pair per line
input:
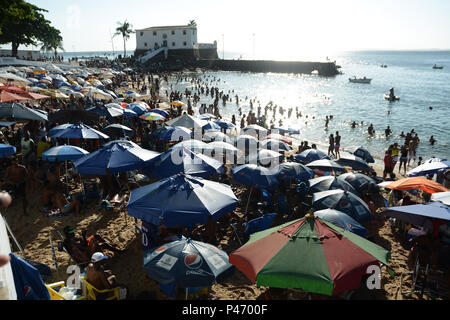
[438,67]
[388,97]
[360,80]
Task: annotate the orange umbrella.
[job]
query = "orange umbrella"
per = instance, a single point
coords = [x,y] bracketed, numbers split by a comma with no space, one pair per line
[34,96]
[417,183]
[6,96]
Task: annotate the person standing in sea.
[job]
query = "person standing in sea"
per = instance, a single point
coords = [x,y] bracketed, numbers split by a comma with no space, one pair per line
[331,147]
[337,146]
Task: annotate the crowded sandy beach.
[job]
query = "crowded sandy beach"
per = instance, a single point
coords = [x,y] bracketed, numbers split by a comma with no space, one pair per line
[116,184]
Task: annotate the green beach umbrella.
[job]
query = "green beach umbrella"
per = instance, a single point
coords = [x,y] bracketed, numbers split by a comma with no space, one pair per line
[308,254]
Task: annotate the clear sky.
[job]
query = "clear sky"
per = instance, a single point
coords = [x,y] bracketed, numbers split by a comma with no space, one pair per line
[268,28]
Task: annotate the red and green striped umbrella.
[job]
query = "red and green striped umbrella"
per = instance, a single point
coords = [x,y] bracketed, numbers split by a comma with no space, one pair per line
[308,254]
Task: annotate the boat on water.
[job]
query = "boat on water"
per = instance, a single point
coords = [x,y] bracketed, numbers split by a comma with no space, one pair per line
[360,80]
[438,67]
[388,97]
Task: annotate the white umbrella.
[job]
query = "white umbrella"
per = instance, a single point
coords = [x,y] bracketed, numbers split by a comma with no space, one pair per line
[443,197]
[12,79]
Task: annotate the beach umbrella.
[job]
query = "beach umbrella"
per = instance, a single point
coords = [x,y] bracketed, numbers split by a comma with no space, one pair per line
[161,112]
[443,197]
[330,183]
[255,176]
[6,96]
[265,157]
[429,168]
[59,128]
[151,116]
[177,104]
[6,150]
[246,141]
[13,79]
[96,93]
[311,155]
[255,130]
[362,153]
[308,254]
[276,136]
[355,163]
[293,171]
[216,136]
[187,263]
[106,112]
[118,130]
[360,182]
[194,145]
[420,215]
[139,108]
[6,124]
[79,131]
[275,145]
[224,124]
[19,111]
[175,134]
[64,153]
[342,220]
[181,200]
[115,157]
[209,125]
[343,201]
[326,165]
[207,116]
[183,160]
[417,183]
[223,147]
[187,121]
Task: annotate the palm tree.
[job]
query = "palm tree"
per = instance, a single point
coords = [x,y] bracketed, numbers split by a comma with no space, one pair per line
[52,45]
[192,23]
[125,30]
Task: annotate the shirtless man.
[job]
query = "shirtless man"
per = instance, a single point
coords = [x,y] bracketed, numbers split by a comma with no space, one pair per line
[16,176]
[96,275]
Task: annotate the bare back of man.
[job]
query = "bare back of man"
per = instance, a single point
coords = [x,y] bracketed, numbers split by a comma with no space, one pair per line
[16,177]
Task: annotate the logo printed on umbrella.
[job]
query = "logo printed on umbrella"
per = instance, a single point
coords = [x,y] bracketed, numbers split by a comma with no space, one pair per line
[193,261]
[160,250]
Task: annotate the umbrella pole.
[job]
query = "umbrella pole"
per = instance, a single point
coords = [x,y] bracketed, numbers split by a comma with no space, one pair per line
[187,290]
[248,201]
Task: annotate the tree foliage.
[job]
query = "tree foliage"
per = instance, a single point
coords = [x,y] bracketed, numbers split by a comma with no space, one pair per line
[125,30]
[22,23]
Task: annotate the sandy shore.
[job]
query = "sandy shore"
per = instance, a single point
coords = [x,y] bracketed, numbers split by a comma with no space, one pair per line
[33,233]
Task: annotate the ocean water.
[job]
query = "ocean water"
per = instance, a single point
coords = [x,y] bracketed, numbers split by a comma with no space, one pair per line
[409,72]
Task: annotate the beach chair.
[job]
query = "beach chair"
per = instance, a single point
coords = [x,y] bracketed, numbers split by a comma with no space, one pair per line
[54,289]
[96,294]
[259,224]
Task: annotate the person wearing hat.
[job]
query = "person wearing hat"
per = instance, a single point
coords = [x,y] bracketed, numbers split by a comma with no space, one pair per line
[96,274]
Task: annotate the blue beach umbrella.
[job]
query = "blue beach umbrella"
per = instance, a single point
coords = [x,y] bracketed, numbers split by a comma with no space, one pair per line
[194,145]
[217,136]
[326,165]
[343,201]
[115,157]
[225,125]
[311,155]
[118,130]
[342,220]
[181,200]
[255,176]
[330,183]
[360,182]
[165,114]
[354,162]
[265,157]
[58,129]
[6,150]
[293,171]
[183,160]
[187,121]
[188,263]
[363,153]
[429,168]
[275,145]
[6,123]
[420,215]
[79,131]
[138,108]
[210,125]
[64,153]
[175,134]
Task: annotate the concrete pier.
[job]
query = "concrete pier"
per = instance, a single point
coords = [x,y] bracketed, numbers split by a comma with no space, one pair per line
[327,69]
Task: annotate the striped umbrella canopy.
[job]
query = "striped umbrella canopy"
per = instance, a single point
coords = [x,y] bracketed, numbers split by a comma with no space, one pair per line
[255,176]
[210,125]
[275,145]
[360,182]
[311,155]
[343,201]
[162,112]
[326,165]
[216,136]
[225,125]
[6,150]
[195,145]
[342,220]
[356,163]
[64,153]
[308,254]
[79,131]
[293,171]
[152,116]
[429,168]
[330,183]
